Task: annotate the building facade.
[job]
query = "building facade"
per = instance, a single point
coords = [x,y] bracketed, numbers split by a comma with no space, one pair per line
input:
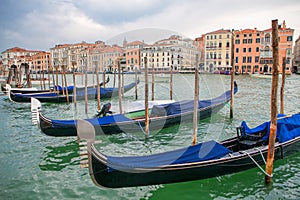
[296,60]
[179,54]
[285,49]
[247,44]
[217,51]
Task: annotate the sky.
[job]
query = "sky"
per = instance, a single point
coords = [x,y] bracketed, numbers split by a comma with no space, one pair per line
[40,25]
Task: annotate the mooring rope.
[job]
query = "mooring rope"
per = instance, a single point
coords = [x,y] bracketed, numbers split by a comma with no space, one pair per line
[258,164]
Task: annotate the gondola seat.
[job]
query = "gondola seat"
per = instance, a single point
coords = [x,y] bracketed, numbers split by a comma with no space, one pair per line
[247,141]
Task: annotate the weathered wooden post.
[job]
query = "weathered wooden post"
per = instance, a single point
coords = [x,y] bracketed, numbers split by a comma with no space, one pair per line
[74,84]
[171,83]
[232,77]
[146,99]
[115,72]
[135,79]
[122,87]
[273,126]
[98,88]
[119,86]
[66,84]
[152,88]
[104,78]
[85,85]
[56,75]
[282,86]
[196,98]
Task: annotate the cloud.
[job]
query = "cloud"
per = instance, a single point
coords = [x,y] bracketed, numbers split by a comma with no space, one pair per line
[42,24]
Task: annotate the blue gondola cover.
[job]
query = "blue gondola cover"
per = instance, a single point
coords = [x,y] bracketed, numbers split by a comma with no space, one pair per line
[200,152]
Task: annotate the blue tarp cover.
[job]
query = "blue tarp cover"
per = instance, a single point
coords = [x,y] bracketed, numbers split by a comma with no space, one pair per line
[188,105]
[201,152]
[94,121]
[287,128]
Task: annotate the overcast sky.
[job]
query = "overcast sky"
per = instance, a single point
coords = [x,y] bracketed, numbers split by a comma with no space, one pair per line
[41,24]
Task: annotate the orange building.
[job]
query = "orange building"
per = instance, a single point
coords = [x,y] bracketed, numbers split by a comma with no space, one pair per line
[285,49]
[253,50]
[132,55]
[247,50]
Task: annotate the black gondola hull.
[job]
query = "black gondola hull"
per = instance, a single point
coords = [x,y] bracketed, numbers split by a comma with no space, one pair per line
[186,172]
[65,129]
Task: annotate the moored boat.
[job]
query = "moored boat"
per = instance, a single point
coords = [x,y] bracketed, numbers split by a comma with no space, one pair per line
[53,97]
[204,160]
[161,116]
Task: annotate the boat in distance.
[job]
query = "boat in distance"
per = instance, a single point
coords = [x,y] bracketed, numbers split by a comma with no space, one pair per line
[53,97]
[204,160]
[161,116]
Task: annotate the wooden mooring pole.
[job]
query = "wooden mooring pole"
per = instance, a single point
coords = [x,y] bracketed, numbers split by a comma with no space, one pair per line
[171,83]
[282,86]
[135,79]
[152,85]
[232,77]
[98,89]
[196,98]
[119,86]
[146,99]
[273,126]
[74,84]
[66,84]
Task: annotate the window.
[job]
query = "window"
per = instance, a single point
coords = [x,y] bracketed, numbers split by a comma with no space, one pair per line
[256,59]
[257,49]
[257,34]
[237,36]
[249,49]
[207,37]
[250,41]
[289,38]
[220,36]
[244,59]
[237,41]
[236,59]
[268,38]
[244,41]
[236,50]
[227,44]
[249,59]
[257,40]
[244,50]
[220,44]
[245,35]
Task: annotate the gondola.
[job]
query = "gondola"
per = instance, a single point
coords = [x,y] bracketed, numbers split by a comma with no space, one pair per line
[204,160]
[52,89]
[161,116]
[53,97]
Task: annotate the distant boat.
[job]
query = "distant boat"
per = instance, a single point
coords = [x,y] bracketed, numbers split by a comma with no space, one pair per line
[204,160]
[53,97]
[266,75]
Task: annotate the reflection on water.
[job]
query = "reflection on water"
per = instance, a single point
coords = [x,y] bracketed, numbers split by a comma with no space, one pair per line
[56,158]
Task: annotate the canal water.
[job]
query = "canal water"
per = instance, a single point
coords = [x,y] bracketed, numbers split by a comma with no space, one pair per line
[36,166]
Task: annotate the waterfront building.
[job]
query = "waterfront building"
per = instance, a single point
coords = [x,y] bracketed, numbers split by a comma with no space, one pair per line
[285,49]
[40,61]
[133,55]
[296,60]
[247,44]
[16,56]
[70,55]
[217,50]
[175,52]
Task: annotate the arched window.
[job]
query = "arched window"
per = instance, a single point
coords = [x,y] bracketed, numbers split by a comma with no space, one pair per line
[268,38]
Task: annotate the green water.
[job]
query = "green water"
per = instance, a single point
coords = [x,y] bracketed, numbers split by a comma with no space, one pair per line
[36,166]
